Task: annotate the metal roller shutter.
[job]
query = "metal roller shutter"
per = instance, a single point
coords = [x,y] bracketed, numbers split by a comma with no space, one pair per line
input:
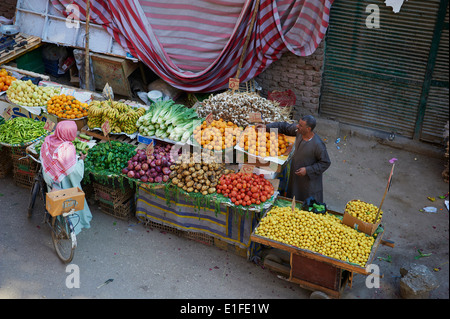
[437,104]
[374,77]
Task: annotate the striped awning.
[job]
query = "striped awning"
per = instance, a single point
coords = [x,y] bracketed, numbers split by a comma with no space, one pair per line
[197,45]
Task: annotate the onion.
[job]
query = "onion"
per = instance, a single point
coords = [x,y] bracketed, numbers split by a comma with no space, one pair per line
[144,179]
[135,158]
[158,179]
[166,171]
[158,169]
[130,166]
[158,162]
[165,178]
[150,180]
[131,174]
[137,167]
[144,166]
[137,175]
[142,172]
[125,170]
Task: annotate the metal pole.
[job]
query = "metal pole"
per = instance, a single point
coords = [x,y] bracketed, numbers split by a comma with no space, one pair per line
[86,63]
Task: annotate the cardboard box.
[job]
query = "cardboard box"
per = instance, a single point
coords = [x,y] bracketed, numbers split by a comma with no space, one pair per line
[62,201]
[358,224]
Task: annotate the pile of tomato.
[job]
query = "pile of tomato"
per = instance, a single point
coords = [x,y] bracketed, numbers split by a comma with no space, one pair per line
[245,188]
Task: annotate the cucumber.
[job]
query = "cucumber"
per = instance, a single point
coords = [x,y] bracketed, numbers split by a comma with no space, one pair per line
[86,137]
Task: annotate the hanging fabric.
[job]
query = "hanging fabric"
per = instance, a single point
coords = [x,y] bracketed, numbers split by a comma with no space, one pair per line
[196,45]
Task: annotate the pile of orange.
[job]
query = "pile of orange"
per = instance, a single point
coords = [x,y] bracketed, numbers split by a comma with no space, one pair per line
[261,143]
[67,107]
[218,135]
[5,80]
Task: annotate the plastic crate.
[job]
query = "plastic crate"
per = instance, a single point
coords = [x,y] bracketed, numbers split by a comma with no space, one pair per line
[31,61]
[51,67]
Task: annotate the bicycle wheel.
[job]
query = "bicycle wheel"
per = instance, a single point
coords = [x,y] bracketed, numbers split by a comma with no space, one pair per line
[63,237]
[34,192]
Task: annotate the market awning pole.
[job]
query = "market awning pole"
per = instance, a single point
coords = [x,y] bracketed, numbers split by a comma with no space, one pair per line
[247,39]
[86,63]
[385,191]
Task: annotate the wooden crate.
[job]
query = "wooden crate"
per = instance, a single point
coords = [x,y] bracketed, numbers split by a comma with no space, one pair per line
[196,236]
[115,200]
[23,178]
[112,195]
[114,71]
[32,42]
[230,247]
[124,210]
[5,161]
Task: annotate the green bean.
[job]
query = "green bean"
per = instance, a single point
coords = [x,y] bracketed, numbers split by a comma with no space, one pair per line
[21,130]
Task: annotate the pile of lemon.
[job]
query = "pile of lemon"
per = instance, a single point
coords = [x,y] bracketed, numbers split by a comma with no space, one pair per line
[363,211]
[321,233]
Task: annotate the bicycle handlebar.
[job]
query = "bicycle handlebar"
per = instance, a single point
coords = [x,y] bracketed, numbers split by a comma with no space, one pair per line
[32,157]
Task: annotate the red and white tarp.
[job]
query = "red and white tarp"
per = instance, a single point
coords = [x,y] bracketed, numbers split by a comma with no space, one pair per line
[196,45]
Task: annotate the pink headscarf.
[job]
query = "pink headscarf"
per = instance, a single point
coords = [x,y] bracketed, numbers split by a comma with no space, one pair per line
[58,154]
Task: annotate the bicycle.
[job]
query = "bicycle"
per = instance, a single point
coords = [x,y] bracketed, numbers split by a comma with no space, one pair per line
[63,233]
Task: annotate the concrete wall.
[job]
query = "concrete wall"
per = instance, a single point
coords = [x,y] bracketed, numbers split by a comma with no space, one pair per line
[303,75]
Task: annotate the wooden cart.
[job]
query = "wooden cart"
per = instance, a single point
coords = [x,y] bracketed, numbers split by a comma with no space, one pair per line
[325,276]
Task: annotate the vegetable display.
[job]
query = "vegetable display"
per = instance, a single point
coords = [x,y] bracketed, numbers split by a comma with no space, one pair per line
[66,106]
[108,157]
[262,143]
[236,107]
[26,93]
[321,233]
[122,117]
[80,146]
[150,169]
[166,119]
[363,211]
[21,130]
[218,135]
[199,175]
[245,188]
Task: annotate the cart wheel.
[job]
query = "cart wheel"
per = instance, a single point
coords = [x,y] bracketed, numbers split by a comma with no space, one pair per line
[318,295]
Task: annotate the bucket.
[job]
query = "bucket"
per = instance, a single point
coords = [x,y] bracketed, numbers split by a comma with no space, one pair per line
[154,96]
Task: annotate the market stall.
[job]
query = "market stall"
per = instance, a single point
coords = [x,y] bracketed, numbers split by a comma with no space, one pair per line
[324,251]
[205,172]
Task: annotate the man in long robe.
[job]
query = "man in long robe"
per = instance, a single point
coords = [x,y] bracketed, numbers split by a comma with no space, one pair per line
[309,161]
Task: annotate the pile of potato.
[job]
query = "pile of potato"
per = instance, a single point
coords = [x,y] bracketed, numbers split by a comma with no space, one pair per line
[198,174]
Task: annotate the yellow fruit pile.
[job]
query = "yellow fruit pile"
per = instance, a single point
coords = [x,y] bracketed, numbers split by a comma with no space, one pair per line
[262,143]
[363,211]
[218,135]
[321,233]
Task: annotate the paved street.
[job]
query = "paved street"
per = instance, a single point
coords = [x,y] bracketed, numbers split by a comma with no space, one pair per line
[147,263]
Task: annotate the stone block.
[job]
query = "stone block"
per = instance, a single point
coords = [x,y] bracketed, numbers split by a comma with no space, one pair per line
[417,282]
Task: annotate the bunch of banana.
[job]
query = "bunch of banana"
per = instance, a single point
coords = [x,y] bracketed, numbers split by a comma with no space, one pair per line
[121,117]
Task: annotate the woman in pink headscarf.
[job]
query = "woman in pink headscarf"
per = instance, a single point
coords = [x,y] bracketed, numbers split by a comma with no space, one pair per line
[62,169]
